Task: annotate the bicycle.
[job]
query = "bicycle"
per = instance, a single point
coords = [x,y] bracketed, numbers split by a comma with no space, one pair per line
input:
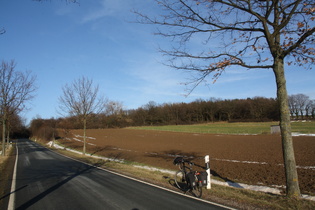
[188,180]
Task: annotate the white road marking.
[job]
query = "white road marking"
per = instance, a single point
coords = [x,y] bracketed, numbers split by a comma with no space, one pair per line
[12,192]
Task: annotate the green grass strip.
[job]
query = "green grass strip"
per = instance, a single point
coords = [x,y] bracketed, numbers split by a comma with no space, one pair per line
[232,128]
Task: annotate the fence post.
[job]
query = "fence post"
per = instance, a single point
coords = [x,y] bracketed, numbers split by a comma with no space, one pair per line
[207,162]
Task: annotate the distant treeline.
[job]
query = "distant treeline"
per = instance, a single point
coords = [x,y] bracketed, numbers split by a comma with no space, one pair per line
[16,127]
[201,111]
[257,109]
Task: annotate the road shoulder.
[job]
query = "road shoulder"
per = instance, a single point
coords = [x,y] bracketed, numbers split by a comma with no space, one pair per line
[6,168]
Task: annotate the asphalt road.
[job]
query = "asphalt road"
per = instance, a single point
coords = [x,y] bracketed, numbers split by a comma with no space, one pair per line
[47,180]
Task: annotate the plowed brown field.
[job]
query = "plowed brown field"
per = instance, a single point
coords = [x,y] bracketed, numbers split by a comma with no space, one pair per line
[252,159]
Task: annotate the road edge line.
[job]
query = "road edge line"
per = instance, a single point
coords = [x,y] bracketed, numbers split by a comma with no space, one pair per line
[13,184]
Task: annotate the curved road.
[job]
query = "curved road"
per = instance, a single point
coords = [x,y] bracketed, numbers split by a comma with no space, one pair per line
[47,180]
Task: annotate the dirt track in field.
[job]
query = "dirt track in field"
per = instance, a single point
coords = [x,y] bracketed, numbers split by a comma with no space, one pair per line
[252,159]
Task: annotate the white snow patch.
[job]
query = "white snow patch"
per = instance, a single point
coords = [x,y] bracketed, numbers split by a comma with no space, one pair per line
[78,136]
[77,139]
[306,167]
[248,187]
[312,198]
[302,134]
[57,146]
[82,141]
[240,161]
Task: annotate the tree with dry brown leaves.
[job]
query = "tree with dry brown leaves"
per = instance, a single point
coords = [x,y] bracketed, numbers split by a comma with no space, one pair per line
[252,34]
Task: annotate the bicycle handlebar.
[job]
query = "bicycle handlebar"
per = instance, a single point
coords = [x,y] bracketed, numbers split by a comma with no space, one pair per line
[179,160]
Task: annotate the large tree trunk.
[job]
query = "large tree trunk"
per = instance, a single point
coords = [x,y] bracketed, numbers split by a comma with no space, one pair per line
[4,126]
[84,135]
[3,135]
[8,133]
[8,137]
[292,182]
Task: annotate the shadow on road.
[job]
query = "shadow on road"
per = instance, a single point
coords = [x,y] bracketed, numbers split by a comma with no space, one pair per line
[53,188]
[56,186]
[8,194]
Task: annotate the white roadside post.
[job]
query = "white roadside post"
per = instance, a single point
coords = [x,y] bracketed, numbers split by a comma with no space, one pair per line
[207,162]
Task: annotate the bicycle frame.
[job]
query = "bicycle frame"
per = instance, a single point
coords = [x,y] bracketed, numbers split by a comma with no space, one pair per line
[183,167]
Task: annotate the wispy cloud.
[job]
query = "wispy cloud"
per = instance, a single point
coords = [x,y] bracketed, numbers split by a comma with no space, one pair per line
[107,8]
[155,76]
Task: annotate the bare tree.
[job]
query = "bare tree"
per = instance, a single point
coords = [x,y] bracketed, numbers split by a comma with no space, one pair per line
[302,101]
[245,33]
[114,108]
[16,89]
[298,104]
[308,107]
[81,99]
[312,108]
[293,106]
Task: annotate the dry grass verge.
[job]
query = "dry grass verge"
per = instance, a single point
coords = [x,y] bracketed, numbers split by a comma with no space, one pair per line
[6,170]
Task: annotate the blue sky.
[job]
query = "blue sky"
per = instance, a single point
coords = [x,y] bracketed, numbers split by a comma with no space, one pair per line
[60,42]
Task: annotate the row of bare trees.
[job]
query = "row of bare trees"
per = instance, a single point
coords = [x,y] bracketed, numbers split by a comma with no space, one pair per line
[16,128]
[16,88]
[301,107]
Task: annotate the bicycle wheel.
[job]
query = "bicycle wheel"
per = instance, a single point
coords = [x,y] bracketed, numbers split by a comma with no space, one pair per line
[196,190]
[180,180]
